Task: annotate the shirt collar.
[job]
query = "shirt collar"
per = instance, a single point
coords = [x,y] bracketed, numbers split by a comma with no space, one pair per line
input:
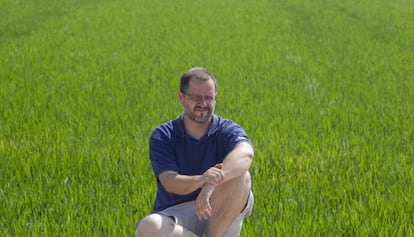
[180,130]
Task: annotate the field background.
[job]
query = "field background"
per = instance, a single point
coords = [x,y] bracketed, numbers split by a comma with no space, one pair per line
[324,88]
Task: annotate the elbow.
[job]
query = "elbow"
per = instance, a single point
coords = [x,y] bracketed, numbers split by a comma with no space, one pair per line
[249,156]
[169,189]
[246,149]
[249,159]
[165,180]
[249,152]
[172,190]
[180,192]
[170,185]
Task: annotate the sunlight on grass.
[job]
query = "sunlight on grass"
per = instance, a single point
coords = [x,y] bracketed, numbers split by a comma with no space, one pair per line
[324,89]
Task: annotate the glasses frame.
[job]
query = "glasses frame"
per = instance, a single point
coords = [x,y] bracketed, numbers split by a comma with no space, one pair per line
[199,98]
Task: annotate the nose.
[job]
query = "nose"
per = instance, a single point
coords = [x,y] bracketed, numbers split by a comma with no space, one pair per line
[203,102]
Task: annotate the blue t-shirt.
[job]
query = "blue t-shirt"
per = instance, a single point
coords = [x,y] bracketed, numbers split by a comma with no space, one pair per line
[171,149]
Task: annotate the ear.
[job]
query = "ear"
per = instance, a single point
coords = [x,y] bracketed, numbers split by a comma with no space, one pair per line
[180,96]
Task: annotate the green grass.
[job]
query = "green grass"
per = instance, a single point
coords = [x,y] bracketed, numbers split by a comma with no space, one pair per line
[325,89]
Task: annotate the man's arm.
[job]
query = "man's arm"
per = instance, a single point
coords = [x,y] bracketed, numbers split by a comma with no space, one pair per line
[235,164]
[179,184]
[238,161]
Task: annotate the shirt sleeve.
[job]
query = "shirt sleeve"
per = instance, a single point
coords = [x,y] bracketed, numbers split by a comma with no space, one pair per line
[161,153]
[234,134]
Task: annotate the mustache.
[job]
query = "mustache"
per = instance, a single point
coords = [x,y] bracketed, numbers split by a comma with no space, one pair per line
[202,107]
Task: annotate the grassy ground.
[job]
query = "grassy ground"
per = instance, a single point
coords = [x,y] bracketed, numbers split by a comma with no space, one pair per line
[324,89]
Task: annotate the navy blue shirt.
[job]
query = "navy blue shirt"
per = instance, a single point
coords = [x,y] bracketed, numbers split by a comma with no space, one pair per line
[172,149]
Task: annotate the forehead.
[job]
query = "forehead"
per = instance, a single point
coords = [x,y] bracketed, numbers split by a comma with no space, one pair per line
[201,86]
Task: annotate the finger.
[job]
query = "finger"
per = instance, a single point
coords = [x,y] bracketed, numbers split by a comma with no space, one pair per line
[203,211]
[213,180]
[203,214]
[218,176]
[199,209]
[198,212]
[221,175]
[206,213]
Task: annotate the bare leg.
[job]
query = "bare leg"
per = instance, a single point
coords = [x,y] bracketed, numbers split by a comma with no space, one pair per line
[227,202]
[156,225]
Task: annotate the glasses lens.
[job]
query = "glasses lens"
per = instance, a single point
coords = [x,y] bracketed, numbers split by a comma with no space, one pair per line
[199,98]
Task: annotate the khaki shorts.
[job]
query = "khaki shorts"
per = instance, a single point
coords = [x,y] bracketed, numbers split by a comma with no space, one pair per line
[184,215]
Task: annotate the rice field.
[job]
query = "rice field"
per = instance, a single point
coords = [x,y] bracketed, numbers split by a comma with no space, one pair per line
[325,90]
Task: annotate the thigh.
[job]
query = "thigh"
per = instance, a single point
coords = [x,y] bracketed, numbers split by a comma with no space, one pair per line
[236,226]
[185,216]
[155,223]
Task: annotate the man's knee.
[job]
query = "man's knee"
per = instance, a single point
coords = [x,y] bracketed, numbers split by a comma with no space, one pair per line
[243,182]
[223,196]
[153,224]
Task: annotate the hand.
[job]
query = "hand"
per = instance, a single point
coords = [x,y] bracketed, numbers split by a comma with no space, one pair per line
[214,175]
[203,208]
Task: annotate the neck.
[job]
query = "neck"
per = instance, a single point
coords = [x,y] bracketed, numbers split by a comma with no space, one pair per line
[195,129]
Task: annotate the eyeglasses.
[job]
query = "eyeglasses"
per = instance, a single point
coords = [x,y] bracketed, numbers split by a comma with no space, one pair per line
[198,98]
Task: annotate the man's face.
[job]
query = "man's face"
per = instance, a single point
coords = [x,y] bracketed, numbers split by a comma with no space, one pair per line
[199,100]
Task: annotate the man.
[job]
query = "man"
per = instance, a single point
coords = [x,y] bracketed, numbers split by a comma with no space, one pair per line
[201,164]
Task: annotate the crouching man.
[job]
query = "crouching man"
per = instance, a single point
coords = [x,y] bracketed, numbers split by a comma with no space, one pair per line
[201,162]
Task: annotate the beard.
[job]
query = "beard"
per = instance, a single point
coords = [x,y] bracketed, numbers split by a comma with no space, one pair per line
[200,115]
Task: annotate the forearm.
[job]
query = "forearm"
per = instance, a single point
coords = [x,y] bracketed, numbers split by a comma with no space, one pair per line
[180,184]
[235,164]
[238,161]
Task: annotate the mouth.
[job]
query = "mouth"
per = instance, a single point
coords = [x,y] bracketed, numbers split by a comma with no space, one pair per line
[201,109]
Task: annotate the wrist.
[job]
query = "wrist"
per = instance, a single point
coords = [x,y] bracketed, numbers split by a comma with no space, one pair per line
[208,188]
[200,181]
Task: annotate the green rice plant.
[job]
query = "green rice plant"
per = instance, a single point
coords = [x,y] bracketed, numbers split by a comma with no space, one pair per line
[324,89]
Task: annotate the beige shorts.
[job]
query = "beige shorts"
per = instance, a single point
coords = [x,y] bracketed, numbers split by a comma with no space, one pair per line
[184,215]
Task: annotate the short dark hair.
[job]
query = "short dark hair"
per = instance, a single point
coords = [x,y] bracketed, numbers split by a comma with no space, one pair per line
[198,73]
